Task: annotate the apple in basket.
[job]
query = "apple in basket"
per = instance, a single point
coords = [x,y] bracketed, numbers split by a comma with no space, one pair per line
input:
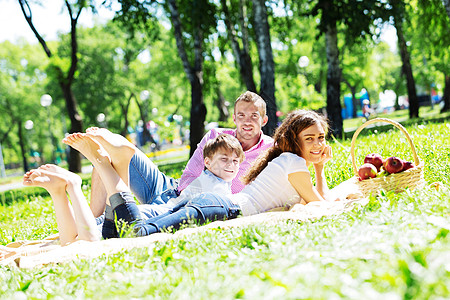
[407,165]
[367,171]
[374,159]
[393,165]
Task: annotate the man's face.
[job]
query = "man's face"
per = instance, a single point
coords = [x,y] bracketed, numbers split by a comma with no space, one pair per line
[224,164]
[248,122]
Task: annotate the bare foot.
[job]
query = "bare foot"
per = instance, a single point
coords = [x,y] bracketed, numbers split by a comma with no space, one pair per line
[116,145]
[52,182]
[87,146]
[5,252]
[72,179]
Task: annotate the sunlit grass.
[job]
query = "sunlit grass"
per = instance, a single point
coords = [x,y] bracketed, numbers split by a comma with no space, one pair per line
[425,112]
[396,247]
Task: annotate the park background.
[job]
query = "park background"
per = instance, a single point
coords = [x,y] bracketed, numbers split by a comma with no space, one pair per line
[322,55]
[174,67]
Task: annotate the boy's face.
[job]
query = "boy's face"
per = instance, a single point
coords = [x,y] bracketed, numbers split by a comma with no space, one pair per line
[224,164]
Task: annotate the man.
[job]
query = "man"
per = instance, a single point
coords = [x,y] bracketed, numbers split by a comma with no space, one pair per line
[151,186]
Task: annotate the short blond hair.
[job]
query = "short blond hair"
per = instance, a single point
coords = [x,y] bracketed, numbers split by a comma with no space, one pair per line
[254,98]
[226,142]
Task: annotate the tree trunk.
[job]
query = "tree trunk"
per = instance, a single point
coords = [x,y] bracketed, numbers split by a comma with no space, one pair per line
[446,96]
[22,146]
[65,82]
[446,4]
[194,74]
[407,70]
[198,114]
[241,55]
[334,108]
[220,103]
[318,84]
[266,64]
[125,109]
[143,111]
[76,125]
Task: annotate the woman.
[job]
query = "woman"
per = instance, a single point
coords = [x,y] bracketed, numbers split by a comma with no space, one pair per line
[280,178]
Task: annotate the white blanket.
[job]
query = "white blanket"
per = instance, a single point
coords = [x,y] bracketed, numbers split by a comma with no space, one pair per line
[28,254]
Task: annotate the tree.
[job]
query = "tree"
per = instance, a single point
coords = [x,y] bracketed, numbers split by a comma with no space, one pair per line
[193,70]
[108,80]
[384,72]
[333,77]
[235,19]
[431,36]
[21,85]
[354,61]
[398,12]
[300,59]
[357,18]
[446,4]
[192,22]
[64,79]
[266,63]
[241,54]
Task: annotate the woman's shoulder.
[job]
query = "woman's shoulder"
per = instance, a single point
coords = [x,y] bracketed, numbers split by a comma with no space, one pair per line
[290,156]
[290,160]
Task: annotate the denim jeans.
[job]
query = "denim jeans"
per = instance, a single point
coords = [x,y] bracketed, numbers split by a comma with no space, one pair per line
[148,183]
[202,208]
[125,209]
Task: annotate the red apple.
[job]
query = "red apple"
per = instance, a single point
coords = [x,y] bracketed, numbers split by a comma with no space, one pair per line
[393,165]
[407,165]
[367,171]
[374,159]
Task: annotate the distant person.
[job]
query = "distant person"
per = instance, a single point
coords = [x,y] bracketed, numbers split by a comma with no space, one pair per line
[366,109]
[151,186]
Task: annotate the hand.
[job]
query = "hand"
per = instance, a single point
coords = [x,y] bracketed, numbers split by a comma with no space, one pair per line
[326,155]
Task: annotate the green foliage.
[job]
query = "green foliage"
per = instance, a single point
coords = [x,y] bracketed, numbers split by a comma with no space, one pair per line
[428,33]
[358,17]
[111,73]
[31,218]
[22,83]
[22,194]
[173,170]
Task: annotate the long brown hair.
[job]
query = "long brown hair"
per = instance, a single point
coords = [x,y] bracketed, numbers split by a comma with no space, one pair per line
[286,139]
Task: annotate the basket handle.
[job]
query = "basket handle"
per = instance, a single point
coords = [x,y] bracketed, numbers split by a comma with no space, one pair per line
[396,124]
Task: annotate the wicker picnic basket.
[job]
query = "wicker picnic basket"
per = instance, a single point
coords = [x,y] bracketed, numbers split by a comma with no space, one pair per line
[397,182]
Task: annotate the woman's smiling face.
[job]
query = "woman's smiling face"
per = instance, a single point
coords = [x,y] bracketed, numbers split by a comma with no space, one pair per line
[312,142]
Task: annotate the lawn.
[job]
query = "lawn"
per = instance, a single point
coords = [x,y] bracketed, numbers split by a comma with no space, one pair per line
[396,247]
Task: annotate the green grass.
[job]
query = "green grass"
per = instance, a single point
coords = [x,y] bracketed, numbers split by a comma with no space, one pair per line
[425,112]
[396,247]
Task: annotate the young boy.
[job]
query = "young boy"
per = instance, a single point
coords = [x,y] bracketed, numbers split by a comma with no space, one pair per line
[222,157]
